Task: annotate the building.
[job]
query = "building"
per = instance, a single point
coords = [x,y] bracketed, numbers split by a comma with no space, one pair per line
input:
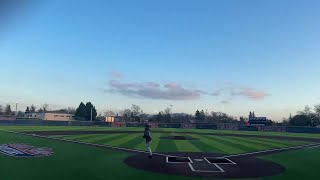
[50,115]
[110,119]
[253,120]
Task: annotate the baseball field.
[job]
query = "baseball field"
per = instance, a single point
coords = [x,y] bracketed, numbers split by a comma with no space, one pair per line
[97,153]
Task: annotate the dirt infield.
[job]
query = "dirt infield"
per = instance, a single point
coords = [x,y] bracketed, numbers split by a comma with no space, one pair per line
[199,166]
[48,133]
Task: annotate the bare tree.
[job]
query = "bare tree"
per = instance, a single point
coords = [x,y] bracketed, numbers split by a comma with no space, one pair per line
[109,113]
[71,110]
[32,108]
[45,107]
[1,110]
[136,110]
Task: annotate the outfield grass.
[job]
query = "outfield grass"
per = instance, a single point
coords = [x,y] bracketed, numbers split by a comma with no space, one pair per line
[97,128]
[204,143]
[74,161]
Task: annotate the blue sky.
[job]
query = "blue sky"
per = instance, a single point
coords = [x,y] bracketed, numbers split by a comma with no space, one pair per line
[232,56]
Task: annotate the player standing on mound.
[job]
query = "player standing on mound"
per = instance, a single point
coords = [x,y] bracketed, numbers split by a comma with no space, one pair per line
[147,136]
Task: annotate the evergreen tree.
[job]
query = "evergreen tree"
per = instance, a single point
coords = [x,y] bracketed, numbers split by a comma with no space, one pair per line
[27,110]
[7,110]
[81,112]
[1,110]
[198,115]
[202,115]
[94,114]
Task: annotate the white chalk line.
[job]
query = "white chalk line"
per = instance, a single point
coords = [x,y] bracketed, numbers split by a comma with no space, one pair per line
[307,146]
[87,143]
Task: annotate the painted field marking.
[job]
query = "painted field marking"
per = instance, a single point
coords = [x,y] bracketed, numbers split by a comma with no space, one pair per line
[230,162]
[206,171]
[167,160]
[274,150]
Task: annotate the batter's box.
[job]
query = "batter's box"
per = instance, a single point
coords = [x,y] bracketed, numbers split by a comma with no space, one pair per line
[218,160]
[205,167]
[177,159]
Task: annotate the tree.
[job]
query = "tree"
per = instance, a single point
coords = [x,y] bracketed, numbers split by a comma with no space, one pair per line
[159,117]
[45,107]
[167,115]
[7,110]
[81,112]
[300,120]
[109,113]
[317,111]
[198,115]
[33,108]
[1,110]
[125,114]
[91,112]
[242,121]
[71,110]
[307,111]
[27,110]
[20,114]
[269,122]
[202,115]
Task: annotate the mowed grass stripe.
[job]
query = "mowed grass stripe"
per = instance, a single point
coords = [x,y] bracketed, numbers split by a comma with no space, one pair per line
[133,143]
[282,142]
[165,145]
[204,146]
[252,145]
[258,143]
[80,137]
[243,146]
[218,146]
[225,146]
[105,139]
[124,139]
[185,146]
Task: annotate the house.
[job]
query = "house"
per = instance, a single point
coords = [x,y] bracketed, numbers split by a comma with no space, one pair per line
[50,115]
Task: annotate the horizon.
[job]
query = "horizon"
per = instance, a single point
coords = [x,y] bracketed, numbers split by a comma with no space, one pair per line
[228,56]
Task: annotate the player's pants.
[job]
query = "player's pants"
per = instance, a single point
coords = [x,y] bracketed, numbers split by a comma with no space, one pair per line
[148,147]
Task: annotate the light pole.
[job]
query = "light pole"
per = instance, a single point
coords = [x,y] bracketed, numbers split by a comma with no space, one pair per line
[16,109]
[91,114]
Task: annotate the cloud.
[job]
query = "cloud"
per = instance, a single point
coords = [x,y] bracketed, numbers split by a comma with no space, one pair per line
[217,92]
[152,90]
[116,75]
[249,92]
[224,102]
[175,91]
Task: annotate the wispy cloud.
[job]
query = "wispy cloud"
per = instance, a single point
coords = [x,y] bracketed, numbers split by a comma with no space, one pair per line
[176,91]
[249,92]
[116,75]
[224,102]
[152,90]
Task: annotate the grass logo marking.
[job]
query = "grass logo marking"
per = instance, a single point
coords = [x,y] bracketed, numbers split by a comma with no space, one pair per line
[24,150]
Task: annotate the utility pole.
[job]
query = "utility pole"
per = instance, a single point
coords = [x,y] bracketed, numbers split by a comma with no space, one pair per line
[16,109]
[91,114]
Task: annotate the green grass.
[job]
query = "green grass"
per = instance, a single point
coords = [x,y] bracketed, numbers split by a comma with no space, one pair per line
[300,164]
[74,161]
[70,162]
[96,128]
[204,143]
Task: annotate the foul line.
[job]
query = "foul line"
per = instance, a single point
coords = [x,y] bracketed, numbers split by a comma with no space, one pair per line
[307,146]
[86,143]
